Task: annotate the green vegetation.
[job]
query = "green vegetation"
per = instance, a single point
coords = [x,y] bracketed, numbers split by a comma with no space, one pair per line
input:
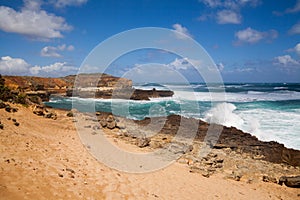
[5,92]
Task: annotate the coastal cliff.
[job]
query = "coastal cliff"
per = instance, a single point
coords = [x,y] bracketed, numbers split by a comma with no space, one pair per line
[83,85]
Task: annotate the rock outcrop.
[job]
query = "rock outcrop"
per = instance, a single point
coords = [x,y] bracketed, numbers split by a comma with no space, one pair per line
[83,85]
[293,181]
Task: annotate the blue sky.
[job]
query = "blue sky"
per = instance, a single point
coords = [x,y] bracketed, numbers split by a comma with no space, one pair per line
[249,40]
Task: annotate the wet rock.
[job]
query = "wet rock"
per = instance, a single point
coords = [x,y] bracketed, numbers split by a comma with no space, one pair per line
[292,181]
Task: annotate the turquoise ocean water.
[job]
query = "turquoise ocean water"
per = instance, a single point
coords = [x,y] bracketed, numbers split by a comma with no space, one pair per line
[270,111]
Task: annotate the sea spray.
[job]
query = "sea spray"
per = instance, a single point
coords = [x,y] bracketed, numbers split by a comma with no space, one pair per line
[223,113]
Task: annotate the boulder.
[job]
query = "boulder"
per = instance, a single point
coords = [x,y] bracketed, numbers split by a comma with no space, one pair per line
[103,123]
[292,181]
[143,142]
[38,110]
[110,118]
[111,125]
[2,104]
[269,179]
[120,125]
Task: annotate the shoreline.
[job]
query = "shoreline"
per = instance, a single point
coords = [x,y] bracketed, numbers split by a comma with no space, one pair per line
[46,152]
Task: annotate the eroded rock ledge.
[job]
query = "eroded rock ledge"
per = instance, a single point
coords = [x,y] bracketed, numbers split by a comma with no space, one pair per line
[83,85]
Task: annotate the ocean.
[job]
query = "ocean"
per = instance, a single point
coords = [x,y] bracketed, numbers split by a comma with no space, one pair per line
[270,111]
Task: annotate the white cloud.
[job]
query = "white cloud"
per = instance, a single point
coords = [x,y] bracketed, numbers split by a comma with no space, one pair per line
[220,66]
[13,66]
[286,61]
[295,9]
[232,4]
[251,36]
[32,21]
[228,17]
[295,29]
[184,64]
[295,49]
[181,32]
[18,66]
[50,51]
[56,69]
[230,10]
[212,3]
[64,3]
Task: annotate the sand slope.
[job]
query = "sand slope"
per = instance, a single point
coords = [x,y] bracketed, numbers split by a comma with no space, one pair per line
[45,159]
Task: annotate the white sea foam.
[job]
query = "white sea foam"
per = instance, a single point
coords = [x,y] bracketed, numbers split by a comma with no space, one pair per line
[237,97]
[224,114]
[265,124]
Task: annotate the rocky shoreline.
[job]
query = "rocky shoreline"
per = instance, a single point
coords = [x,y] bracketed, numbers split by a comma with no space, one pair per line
[240,155]
[83,85]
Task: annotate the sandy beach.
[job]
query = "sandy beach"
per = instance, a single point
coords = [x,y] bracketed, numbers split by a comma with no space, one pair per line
[45,159]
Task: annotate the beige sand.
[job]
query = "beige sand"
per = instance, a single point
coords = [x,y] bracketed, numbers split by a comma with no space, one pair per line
[45,159]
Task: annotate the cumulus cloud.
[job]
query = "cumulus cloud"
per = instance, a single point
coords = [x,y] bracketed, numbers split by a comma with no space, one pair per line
[13,66]
[55,69]
[64,3]
[227,11]
[295,49]
[18,66]
[181,32]
[228,17]
[184,64]
[50,51]
[295,29]
[32,21]
[286,61]
[252,36]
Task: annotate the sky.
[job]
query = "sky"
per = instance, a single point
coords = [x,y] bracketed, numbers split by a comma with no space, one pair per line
[248,40]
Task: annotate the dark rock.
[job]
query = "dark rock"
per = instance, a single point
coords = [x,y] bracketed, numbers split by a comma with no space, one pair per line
[1,126]
[292,181]
[8,108]
[16,123]
[98,113]
[2,104]
[266,178]
[70,170]
[39,110]
[70,114]
[14,120]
